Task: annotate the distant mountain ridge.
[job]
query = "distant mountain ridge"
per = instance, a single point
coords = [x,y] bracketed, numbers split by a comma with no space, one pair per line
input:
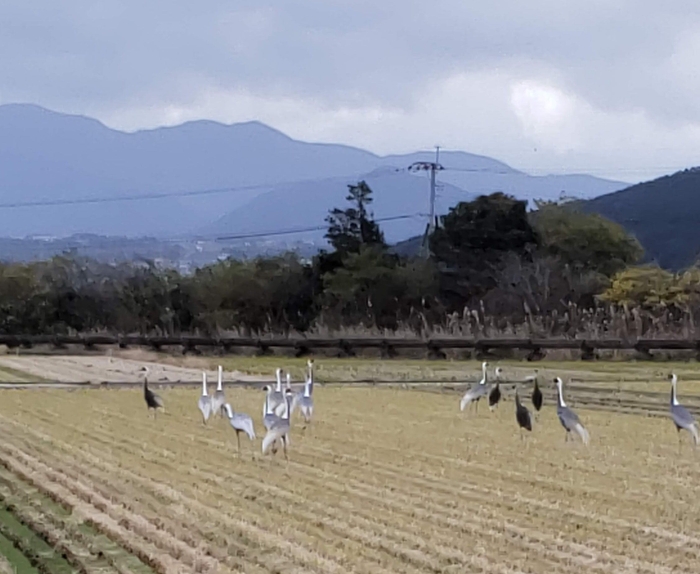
[663,214]
[46,155]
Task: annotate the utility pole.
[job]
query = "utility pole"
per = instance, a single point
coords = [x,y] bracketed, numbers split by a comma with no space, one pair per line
[433,167]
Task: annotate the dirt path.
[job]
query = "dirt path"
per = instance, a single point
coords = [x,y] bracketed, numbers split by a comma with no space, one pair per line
[98,369]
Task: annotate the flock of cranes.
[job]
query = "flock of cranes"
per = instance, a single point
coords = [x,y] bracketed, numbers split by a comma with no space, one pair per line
[278,407]
[280,403]
[682,419]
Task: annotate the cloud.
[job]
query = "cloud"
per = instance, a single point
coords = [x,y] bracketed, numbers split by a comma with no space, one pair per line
[608,85]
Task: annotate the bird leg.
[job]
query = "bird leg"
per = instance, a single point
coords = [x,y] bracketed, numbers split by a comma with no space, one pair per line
[284,444]
[238,436]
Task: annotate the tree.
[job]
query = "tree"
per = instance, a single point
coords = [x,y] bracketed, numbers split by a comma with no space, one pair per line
[473,239]
[349,229]
[584,241]
[646,286]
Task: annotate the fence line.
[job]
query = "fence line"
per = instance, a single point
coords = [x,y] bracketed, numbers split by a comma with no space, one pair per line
[388,346]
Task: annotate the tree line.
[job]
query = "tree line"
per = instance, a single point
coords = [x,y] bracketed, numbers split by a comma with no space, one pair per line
[491,262]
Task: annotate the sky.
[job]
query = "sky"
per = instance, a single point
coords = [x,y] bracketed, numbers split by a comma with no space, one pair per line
[607,87]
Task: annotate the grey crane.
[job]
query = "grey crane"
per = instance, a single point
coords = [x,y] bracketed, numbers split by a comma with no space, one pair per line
[568,418]
[495,394]
[240,422]
[204,402]
[681,416]
[279,430]
[522,415]
[218,399]
[476,391]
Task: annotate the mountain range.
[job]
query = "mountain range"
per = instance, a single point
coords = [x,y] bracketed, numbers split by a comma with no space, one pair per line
[663,214]
[244,178]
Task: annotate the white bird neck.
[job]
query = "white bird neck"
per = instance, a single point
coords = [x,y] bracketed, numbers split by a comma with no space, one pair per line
[289,381]
[204,384]
[287,411]
[220,381]
[674,398]
[484,374]
[229,410]
[560,394]
[278,388]
[307,387]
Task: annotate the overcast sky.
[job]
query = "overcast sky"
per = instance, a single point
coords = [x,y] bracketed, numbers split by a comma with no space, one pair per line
[608,87]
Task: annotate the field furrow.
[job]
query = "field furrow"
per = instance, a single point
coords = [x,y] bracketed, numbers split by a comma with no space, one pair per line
[383,480]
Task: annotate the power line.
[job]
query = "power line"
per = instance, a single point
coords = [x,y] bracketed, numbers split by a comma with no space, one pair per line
[239,189]
[137,197]
[67,244]
[305,229]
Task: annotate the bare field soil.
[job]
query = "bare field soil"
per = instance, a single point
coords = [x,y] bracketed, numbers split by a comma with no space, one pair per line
[382,481]
[611,386]
[103,368]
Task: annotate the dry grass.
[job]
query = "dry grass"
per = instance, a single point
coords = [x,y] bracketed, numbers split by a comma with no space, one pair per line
[382,481]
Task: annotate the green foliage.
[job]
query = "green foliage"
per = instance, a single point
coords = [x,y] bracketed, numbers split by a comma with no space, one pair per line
[474,238]
[487,255]
[584,241]
[376,289]
[350,229]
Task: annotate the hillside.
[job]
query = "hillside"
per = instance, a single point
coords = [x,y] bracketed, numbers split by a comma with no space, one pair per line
[46,155]
[663,214]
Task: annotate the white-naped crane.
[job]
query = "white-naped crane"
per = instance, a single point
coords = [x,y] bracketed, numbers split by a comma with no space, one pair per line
[218,399]
[477,391]
[204,402]
[279,430]
[568,418]
[276,397]
[681,416]
[241,423]
[306,401]
[522,415]
[495,393]
[295,394]
[269,416]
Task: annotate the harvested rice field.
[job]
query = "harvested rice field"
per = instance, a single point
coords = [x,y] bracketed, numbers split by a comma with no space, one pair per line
[383,480]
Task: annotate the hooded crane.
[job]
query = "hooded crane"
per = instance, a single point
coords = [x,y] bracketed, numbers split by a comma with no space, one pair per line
[495,394]
[681,416]
[279,430]
[568,418]
[476,391]
[153,401]
[218,399]
[537,396]
[522,415]
[204,402]
[240,423]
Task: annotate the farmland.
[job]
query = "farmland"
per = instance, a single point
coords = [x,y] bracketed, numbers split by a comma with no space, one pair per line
[383,480]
